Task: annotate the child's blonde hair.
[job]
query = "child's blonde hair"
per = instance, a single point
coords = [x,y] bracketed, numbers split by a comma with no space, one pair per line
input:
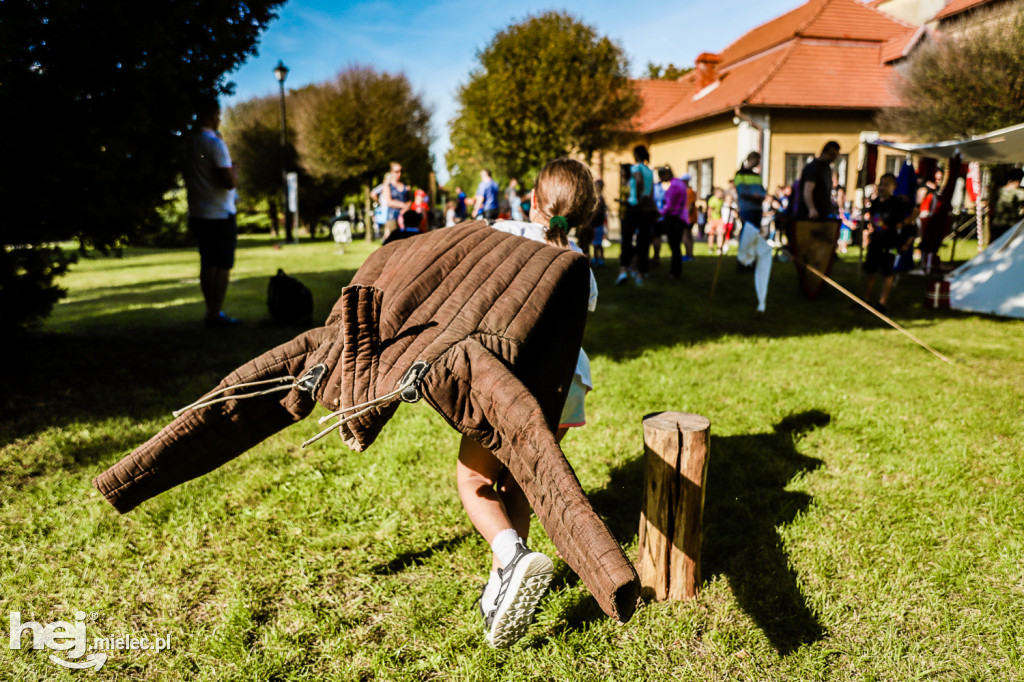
[565,187]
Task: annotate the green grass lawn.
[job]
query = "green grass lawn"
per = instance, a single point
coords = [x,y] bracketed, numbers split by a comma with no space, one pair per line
[863,514]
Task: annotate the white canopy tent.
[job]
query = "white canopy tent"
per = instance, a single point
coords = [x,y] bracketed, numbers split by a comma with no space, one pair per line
[993,281]
[999,146]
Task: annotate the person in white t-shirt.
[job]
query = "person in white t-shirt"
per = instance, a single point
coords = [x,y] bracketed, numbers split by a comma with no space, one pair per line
[210,181]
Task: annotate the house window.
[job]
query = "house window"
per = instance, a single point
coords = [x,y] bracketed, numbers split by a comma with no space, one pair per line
[795,165]
[840,167]
[702,176]
[893,162]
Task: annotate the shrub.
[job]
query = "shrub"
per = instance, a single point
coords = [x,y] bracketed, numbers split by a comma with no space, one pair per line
[27,289]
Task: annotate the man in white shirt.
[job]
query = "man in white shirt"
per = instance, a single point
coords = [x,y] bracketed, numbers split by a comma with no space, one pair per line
[210,181]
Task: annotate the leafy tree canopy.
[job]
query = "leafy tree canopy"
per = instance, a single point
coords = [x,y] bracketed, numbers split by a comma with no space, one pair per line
[351,128]
[252,131]
[667,72]
[545,87]
[967,82]
[96,95]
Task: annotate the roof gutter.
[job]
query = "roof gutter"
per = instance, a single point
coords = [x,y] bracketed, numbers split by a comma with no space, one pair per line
[738,116]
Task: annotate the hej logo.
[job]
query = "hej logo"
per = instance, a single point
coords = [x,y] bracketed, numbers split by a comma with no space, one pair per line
[58,636]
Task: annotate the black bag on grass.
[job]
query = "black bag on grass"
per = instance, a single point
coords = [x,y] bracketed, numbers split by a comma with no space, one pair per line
[289,301]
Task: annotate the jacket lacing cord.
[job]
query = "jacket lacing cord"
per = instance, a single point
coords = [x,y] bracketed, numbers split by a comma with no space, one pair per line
[208,399]
[408,391]
[308,383]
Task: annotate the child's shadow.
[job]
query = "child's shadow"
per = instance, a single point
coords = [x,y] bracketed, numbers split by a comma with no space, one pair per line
[745,502]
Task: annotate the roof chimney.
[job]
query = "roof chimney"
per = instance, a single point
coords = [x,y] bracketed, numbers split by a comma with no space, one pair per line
[707,69]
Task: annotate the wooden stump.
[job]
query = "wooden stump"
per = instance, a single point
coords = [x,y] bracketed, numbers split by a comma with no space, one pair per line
[675,452]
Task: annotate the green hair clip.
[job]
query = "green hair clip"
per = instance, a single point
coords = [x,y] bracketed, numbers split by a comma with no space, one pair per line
[559,223]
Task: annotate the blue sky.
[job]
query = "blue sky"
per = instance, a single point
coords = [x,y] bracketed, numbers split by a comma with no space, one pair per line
[435,42]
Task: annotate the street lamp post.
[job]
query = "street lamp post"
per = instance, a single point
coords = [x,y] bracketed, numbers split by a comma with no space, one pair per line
[280,73]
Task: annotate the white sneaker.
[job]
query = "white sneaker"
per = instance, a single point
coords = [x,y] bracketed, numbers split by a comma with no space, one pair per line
[523,582]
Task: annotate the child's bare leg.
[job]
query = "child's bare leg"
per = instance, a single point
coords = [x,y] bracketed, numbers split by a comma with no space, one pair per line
[477,472]
[490,508]
[499,510]
[517,508]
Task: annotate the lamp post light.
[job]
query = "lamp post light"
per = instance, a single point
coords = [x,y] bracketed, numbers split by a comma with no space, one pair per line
[280,73]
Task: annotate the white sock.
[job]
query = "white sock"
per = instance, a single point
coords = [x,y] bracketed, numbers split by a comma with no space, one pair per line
[490,592]
[504,546]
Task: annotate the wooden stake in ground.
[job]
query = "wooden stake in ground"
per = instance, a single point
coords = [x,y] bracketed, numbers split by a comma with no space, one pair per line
[676,460]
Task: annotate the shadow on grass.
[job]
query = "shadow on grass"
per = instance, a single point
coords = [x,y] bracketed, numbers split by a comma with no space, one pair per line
[671,313]
[745,502]
[409,559]
[143,354]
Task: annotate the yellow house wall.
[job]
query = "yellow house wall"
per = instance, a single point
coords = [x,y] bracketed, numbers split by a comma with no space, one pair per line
[713,138]
[605,165]
[806,132]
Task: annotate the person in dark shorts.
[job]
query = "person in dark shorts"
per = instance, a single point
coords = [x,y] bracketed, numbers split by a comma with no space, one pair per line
[409,227]
[637,220]
[889,228]
[210,182]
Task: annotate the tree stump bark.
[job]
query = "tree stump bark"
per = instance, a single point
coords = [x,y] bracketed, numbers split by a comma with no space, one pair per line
[675,452]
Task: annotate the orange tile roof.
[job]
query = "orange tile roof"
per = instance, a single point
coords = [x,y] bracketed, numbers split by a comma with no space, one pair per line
[729,91]
[769,35]
[958,6]
[819,74]
[835,19]
[825,53]
[658,96]
[900,46]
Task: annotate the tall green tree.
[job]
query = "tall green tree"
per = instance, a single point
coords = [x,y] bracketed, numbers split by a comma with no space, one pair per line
[545,87]
[351,128]
[95,98]
[252,131]
[968,82]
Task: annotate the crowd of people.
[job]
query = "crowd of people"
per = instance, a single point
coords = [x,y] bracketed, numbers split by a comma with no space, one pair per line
[661,208]
[886,220]
[658,208]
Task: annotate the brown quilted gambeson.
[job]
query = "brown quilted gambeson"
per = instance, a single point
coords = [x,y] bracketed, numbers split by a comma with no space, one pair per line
[483,325]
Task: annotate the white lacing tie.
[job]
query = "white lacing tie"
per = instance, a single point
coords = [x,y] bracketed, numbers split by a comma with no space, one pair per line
[409,380]
[209,399]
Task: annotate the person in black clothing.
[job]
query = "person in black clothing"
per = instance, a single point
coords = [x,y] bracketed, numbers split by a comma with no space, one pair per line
[816,184]
[890,227]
